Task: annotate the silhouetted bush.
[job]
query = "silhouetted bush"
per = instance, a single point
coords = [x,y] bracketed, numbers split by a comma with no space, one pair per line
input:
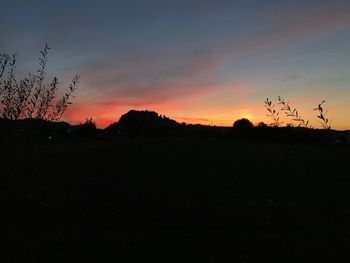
[262,125]
[243,124]
[31,97]
[87,129]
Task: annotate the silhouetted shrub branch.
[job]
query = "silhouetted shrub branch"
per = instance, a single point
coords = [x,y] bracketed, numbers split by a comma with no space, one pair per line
[322,115]
[272,113]
[62,105]
[23,94]
[47,97]
[30,97]
[293,113]
[9,91]
[4,59]
[36,106]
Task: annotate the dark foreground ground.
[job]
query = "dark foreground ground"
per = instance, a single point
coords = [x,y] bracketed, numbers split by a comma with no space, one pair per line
[174,200]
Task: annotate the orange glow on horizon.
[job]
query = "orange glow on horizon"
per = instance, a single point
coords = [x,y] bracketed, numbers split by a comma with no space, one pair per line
[204,108]
[104,118]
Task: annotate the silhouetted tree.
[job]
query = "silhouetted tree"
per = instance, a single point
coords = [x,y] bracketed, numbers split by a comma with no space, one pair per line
[242,124]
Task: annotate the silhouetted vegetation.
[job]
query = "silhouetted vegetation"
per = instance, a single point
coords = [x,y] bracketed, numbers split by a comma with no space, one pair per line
[243,124]
[88,128]
[33,130]
[292,113]
[322,115]
[272,113]
[262,125]
[31,97]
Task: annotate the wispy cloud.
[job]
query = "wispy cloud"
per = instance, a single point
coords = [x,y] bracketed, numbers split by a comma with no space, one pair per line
[287,78]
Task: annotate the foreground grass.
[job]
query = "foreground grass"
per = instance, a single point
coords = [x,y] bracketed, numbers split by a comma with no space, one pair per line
[172,200]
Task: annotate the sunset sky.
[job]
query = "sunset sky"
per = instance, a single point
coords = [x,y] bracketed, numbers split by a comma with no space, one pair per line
[204,61]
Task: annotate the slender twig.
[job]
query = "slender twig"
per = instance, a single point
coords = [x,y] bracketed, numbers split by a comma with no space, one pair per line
[62,104]
[34,107]
[322,115]
[4,59]
[293,113]
[8,100]
[272,113]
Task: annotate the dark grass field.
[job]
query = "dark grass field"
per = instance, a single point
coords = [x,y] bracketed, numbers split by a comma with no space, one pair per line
[174,200]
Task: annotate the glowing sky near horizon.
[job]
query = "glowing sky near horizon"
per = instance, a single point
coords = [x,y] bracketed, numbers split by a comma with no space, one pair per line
[205,61]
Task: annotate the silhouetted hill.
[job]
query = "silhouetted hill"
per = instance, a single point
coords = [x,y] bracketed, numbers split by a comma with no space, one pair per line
[143,123]
[150,123]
